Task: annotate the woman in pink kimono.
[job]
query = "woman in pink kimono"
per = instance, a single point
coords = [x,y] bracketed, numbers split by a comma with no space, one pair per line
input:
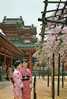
[17,82]
[27,81]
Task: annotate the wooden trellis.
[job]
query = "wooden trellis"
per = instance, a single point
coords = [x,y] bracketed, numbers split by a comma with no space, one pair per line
[59,17]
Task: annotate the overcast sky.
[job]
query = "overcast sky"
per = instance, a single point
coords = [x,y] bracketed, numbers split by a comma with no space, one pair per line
[30,10]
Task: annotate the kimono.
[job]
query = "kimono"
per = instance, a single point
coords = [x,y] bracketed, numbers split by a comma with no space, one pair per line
[27,82]
[17,84]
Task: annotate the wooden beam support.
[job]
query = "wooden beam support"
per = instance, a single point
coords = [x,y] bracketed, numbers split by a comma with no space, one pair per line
[53,2]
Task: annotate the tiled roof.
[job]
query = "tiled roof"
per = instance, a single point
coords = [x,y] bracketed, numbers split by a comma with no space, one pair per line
[13,20]
[18,22]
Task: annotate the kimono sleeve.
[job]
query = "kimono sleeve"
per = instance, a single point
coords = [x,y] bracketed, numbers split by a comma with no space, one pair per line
[17,79]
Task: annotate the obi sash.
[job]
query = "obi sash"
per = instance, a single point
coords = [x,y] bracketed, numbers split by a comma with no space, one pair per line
[26,77]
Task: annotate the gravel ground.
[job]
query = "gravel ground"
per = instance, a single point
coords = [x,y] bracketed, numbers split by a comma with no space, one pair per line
[6,90]
[42,91]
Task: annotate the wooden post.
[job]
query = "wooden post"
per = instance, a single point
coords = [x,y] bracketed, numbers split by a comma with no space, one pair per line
[8,64]
[53,79]
[58,85]
[48,74]
[34,89]
[48,78]
[63,75]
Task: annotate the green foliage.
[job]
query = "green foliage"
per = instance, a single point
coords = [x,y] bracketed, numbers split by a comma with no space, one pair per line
[40,50]
[61,41]
[19,24]
[34,40]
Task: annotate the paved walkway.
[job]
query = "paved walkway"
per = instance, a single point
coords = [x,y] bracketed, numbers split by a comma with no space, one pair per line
[42,91]
[6,90]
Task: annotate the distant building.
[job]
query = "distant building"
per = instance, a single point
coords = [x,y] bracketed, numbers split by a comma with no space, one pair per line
[23,37]
[14,28]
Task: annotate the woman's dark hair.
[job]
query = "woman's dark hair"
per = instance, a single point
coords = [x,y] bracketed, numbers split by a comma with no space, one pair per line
[17,62]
